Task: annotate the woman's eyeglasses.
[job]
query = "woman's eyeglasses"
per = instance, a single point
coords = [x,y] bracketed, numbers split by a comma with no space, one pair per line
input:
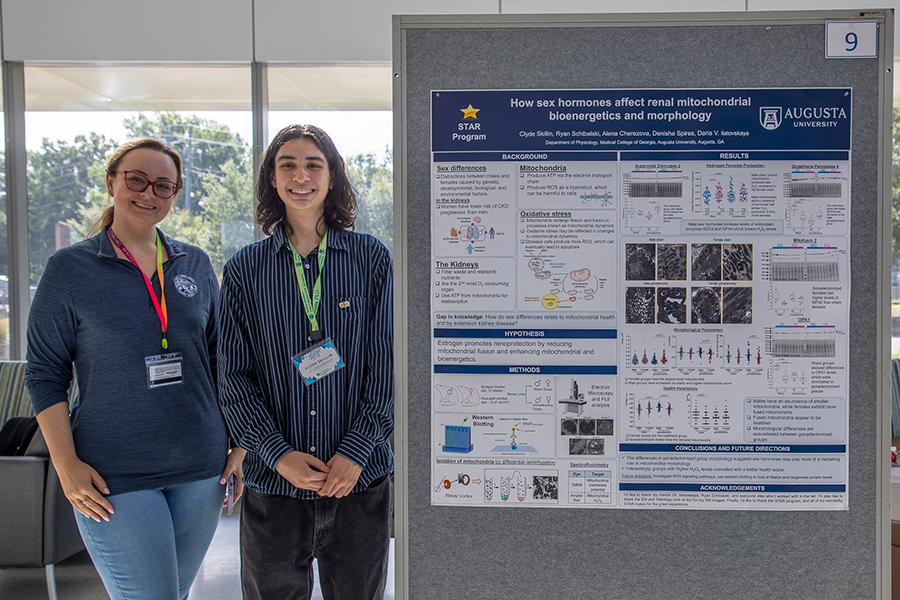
[162,188]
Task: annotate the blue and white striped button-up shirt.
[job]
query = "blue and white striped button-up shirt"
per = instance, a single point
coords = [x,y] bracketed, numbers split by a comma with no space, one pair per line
[262,324]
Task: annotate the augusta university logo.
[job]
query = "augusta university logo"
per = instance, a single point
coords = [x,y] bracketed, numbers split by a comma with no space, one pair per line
[185,285]
[770,117]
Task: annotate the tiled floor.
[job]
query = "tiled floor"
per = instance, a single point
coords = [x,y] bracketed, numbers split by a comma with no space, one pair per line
[218,579]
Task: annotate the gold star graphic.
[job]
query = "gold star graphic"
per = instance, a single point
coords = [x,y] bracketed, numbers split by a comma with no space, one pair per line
[469,112]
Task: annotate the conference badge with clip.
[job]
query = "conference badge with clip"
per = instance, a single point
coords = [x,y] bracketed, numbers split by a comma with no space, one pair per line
[317,361]
[164,369]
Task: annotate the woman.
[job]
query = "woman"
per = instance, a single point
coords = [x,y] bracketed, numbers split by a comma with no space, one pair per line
[142,457]
[306,380]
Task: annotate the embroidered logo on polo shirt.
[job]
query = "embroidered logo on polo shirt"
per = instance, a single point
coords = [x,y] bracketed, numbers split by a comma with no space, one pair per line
[185,285]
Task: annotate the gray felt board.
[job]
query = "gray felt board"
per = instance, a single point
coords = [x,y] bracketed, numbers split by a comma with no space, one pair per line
[548,554]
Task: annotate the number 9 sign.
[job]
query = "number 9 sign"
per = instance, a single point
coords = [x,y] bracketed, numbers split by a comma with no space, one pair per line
[851,39]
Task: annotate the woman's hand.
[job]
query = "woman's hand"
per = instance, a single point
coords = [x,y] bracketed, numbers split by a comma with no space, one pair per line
[82,485]
[84,489]
[233,466]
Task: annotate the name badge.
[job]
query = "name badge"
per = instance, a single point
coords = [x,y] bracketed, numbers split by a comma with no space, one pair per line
[318,361]
[164,369]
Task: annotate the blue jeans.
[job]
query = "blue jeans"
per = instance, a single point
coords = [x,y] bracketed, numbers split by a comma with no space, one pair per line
[152,547]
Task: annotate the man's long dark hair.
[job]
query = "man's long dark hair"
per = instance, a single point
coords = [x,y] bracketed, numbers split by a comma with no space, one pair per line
[340,204]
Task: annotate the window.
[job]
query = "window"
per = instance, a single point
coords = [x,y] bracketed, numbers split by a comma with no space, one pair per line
[76,116]
[4,262]
[352,104]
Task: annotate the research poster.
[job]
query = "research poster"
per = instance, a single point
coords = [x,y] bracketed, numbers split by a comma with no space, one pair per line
[640,298]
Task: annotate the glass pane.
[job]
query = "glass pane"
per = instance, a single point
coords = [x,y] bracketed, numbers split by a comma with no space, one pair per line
[4,262]
[364,139]
[68,152]
[330,88]
[895,239]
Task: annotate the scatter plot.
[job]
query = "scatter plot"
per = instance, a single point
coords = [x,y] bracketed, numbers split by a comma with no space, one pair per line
[706,305]
[671,305]
[640,262]
[710,413]
[737,305]
[737,262]
[671,262]
[640,305]
[789,298]
[744,351]
[656,352]
[787,375]
[651,411]
[706,262]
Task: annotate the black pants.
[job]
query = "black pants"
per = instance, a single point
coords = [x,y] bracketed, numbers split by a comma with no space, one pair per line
[349,537]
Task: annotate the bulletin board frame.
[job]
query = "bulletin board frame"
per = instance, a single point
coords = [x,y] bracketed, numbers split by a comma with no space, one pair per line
[477,552]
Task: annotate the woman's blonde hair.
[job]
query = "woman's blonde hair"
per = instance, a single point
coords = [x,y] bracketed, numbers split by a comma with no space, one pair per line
[106,218]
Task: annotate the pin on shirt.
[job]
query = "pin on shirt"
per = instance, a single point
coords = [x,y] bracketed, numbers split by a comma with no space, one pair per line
[344,303]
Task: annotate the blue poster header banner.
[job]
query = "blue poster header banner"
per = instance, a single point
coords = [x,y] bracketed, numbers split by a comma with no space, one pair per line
[803,488]
[766,448]
[527,369]
[555,155]
[718,157]
[600,334]
[510,121]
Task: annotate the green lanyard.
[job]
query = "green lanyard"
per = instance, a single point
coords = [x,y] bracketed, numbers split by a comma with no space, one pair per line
[311,305]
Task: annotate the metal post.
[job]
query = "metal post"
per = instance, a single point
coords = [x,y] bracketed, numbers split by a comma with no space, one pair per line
[16,205]
[259,83]
[50,570]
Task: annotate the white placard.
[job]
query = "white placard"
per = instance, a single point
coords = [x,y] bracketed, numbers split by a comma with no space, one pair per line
[851,39]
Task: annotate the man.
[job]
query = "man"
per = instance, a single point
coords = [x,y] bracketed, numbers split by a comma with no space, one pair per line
[306,380]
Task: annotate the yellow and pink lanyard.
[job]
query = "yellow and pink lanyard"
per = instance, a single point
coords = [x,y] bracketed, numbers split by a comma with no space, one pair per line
[160,305]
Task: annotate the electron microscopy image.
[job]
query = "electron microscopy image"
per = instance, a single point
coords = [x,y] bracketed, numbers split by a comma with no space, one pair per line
[595,446]
[640,262]
[706,262]
[568,427]
[604,426]
[546,487]
[586,427]
[639,305]
[706,305]
[737,262]
[577,446]
[671,305]
[737,305]
[671,262]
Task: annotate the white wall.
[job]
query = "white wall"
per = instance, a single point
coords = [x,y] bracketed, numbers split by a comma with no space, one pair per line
[342,30]
[127,30]
[298,31]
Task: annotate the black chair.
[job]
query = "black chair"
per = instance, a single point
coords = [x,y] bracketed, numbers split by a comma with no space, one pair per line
[37,524]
